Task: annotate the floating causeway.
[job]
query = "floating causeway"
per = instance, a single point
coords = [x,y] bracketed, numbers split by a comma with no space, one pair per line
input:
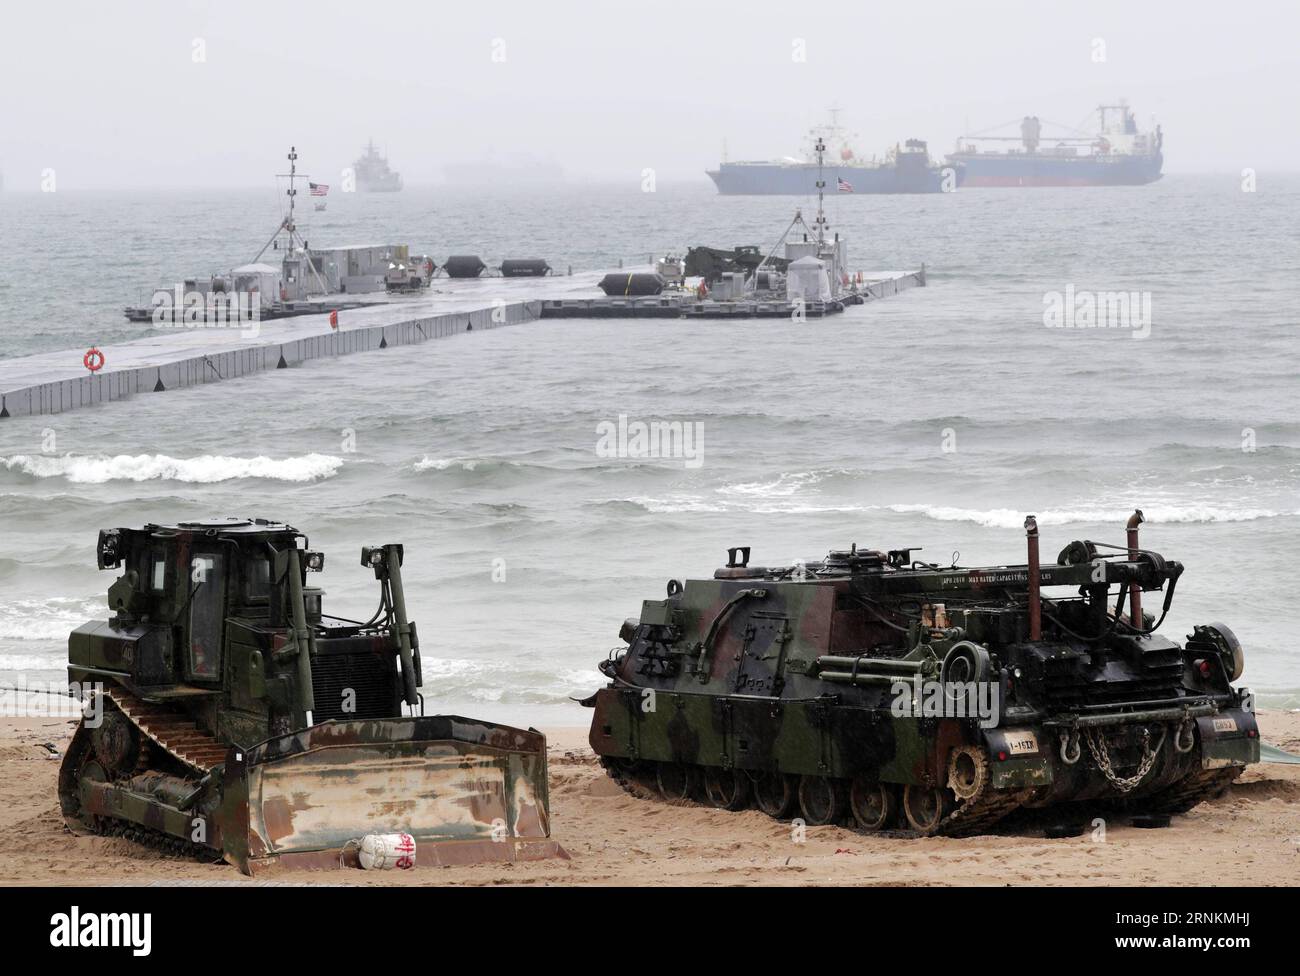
[55,382]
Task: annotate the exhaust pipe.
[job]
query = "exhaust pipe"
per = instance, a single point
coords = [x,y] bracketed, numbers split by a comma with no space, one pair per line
[393,563]
[1035,600]
[302,637]
[1134,591]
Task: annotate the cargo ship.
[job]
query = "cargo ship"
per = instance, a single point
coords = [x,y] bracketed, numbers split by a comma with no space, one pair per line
[1116,154]
[373,173]
[906,168]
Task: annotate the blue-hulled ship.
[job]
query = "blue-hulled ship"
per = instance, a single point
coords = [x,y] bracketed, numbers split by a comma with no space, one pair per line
[906,168]
[1116,154]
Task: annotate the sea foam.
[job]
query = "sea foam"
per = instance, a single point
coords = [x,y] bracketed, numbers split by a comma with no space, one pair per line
[1007,518]
[96,469]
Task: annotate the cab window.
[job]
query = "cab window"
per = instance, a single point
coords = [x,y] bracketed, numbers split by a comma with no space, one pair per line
[158,572]
[206,618]
[258,579]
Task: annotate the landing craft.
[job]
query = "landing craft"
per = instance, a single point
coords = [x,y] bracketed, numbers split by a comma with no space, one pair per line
[780,687]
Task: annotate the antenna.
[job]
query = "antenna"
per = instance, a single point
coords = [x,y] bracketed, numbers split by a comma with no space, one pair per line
[287,224]
[821,191]
[291,193]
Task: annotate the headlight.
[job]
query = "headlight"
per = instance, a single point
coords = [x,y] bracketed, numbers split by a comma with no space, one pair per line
[109,551]
[315,561]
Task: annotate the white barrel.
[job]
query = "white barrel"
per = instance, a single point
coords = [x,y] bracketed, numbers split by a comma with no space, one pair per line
[384,852]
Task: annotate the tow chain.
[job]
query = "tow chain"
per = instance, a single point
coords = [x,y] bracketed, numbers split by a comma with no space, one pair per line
[1101,755]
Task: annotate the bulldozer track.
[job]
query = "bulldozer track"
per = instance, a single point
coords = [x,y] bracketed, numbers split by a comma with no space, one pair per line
[170,731]
[154,839]
[162,730]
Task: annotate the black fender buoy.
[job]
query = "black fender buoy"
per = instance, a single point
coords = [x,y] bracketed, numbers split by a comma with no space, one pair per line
[464,266]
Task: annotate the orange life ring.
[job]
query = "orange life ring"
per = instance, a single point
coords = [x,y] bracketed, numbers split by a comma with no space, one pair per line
[93,360]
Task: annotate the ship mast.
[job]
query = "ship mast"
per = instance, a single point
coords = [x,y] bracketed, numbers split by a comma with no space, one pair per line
[289,226]
[291,193]
[820,222]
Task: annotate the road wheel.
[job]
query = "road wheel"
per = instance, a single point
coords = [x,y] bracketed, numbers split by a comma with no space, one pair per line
[776,794]
[676,782]
[925,807]
[874,804]
[968,772]
[821,800]
[726,789]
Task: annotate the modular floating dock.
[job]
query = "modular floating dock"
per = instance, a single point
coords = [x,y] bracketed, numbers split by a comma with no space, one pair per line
[183,356]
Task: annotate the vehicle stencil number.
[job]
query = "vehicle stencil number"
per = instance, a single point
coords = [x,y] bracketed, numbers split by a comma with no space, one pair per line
[1019,743]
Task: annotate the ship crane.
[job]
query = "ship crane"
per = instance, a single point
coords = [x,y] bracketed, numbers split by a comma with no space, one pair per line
[288,226]
[1076,135]
[825,250]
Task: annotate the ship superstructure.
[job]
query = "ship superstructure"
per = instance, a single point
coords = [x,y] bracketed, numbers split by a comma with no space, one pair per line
[373,174]
[905,168]
[1043,153]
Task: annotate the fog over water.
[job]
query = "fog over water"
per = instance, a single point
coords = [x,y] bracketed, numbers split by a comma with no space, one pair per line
[194,94]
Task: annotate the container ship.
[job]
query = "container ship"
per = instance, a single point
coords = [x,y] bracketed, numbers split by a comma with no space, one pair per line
[1116,154]
[906,168]
[373,173]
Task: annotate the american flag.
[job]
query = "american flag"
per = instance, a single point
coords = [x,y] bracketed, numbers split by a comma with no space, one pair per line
[843,185]
[318,189]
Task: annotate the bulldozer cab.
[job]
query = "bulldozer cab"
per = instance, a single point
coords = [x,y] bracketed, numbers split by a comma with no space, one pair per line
[221,608]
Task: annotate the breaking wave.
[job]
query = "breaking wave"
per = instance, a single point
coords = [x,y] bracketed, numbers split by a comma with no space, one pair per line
[30,662]
[994,518]
[44,620]
[427,463]
[97,469]
[700,506]
[496,682]
[786,486]
[1006,518]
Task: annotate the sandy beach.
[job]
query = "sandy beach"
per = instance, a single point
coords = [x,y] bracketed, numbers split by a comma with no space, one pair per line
[1251,836]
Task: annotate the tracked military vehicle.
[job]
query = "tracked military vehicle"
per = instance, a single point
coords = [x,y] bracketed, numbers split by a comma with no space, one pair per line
[876,689]
[228,716]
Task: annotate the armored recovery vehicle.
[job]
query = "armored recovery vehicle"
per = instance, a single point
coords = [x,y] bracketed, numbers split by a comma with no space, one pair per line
[874,688]
[228,716]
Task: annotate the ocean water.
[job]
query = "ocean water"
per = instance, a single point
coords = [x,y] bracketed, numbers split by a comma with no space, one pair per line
[937,418]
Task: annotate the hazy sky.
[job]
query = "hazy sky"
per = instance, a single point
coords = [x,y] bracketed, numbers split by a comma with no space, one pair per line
[110,94]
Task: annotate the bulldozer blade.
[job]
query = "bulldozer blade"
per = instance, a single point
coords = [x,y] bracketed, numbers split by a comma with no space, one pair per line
[466,791]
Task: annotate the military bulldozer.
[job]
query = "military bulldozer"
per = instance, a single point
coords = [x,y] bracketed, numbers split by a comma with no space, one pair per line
[229,717]
[876,689]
